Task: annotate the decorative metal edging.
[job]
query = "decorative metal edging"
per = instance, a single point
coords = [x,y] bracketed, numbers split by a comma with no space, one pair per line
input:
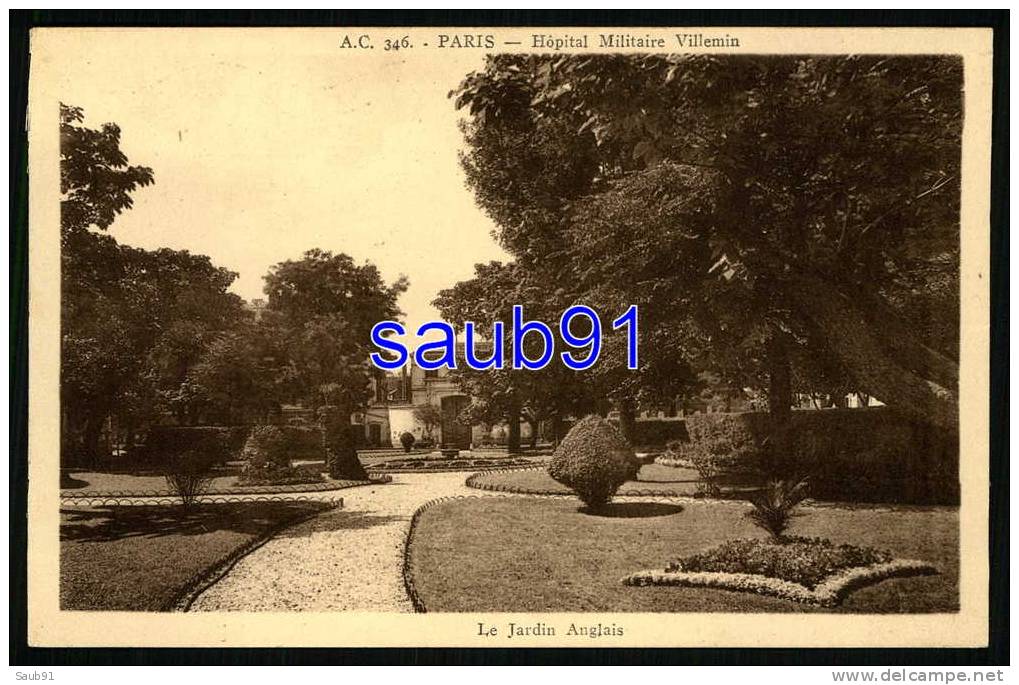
[220,496]
[168,501]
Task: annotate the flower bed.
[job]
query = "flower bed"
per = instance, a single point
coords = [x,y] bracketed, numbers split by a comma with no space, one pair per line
[270,474]
[431,465]
[806,561]
[808,570]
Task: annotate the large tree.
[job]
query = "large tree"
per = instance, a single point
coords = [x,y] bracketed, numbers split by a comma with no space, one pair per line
[771,209]
[323,307]
[133,321]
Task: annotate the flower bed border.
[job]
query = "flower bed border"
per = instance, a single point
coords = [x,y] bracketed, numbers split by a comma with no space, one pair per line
[472,482]
[674,462]
[829,593]
[379,469]
[206,578]
[408,577]
[219,495]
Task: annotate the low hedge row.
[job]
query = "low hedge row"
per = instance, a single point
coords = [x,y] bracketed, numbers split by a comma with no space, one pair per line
[870,455]
[658,432]
[223,443]
[219,443]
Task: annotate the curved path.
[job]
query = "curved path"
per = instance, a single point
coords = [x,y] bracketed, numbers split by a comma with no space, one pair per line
[348,559]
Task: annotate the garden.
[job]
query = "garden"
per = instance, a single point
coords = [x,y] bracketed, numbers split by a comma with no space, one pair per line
[662,537]
[147,558]
[759,298]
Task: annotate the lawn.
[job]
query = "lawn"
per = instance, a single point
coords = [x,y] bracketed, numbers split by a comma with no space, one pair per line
[653,478]
[141,558]
[84,482]
[531,555]
[225,480]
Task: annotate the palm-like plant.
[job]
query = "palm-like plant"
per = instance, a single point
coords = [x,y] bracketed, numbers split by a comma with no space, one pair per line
[774,504]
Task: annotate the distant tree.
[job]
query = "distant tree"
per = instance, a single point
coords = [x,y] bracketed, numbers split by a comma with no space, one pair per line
[429,416]
[505,395]
[133,321]
[323,308]
[236,381]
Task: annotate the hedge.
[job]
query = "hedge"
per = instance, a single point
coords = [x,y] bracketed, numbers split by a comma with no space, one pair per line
[303,442]
[224,443]
[220,443]
[658,432]
[868,454]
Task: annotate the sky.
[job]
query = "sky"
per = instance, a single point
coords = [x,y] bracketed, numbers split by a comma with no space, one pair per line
[268,143]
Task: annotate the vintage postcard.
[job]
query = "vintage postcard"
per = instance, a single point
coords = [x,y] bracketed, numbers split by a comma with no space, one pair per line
[509,337]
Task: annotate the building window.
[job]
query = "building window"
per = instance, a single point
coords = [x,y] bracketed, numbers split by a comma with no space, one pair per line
[432,373]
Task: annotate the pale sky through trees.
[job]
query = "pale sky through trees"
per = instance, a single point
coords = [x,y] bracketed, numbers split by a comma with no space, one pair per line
[268,143]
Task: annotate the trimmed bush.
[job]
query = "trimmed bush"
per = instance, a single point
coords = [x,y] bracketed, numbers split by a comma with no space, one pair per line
[303,442]
[407,440]
[593,460]
[219,443]
[269,451]
[266,448]
[189,474]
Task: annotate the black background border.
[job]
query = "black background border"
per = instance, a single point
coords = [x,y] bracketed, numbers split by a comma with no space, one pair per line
[21,21]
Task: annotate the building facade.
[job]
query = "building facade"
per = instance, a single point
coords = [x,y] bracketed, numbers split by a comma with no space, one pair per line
[427,404]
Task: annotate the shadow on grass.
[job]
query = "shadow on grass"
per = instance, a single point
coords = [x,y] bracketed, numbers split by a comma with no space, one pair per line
[340,520]
[69,482]
[105,524]
[666,482]
[633,510]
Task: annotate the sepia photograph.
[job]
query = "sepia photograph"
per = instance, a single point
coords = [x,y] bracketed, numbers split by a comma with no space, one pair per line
[535,337]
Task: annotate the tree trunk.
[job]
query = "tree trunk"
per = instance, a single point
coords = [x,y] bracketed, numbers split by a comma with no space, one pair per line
[513,438]
[556,428]
[535,425]
[90,440]
[780,395]
[880,354]
[627,420]
[338,443]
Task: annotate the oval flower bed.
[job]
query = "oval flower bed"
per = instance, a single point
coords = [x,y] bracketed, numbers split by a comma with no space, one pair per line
[432,464]
[807,570]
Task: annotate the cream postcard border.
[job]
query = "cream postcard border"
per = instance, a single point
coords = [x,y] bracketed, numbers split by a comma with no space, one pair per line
[49,626]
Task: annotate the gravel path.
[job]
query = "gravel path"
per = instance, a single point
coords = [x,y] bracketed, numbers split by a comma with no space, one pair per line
[348,559]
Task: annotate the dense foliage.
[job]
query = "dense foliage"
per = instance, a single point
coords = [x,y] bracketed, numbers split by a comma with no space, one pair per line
[864,455]
[791,222]
[133,321]
[149,335]
[219,443]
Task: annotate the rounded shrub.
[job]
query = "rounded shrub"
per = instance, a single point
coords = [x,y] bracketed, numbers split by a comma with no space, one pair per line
[407,440]
[267,447]
[593,460]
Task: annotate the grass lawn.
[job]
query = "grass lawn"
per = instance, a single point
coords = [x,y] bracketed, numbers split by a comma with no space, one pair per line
[225,480]
[666,480]
[83,482]
[529,555]
[140,558]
